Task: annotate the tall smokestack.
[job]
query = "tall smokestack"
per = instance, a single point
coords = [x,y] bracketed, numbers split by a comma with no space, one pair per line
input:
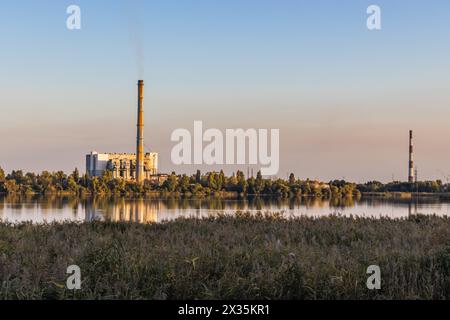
[411,159]
[140,134]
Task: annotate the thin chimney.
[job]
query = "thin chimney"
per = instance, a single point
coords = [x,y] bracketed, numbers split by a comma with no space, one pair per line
[140,134]
[411,159]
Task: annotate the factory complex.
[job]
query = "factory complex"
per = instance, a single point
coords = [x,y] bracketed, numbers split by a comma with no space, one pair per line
[137,166]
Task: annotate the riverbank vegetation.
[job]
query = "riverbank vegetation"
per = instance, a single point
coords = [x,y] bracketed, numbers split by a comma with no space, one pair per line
[211,183]
[241,257]
[198,184]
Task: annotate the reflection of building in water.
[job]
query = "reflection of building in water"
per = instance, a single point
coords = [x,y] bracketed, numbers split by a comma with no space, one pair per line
[135,211]
[123,210]
[122,165]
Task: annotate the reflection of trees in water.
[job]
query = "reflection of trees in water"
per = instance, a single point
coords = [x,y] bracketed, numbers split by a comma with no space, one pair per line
[342,202]
[258,203]
[213,203]
[45,202]
[174,203]
[140,210]
[150,209]
[414,204]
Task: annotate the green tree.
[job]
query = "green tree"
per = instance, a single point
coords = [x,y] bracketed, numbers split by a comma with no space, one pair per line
[198,177]
[11,186]
[45,181]
[259,183]
[221,181]
[60,181]
[95,185]
[196,188]
[18,176]
[241,182]
[212,182]
[2,181]
[76,175]
[171,183]
[72,185]
[184,183]
[435,186]
[232,183]
[291,179]
[306,188]
[334,191]
[251,188]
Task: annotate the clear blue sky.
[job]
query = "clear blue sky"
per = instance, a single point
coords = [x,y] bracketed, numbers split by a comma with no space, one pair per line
[342,96]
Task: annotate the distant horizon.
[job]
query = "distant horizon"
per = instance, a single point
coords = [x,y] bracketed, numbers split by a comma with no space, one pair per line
[344,98]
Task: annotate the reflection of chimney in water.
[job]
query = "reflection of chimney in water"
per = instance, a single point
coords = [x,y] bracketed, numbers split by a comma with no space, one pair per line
[416,175]
[411,159]
[140,134]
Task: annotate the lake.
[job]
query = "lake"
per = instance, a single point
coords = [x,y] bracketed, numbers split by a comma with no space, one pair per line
[39,209]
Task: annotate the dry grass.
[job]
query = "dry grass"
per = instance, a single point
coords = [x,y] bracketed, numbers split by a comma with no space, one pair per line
[229,258]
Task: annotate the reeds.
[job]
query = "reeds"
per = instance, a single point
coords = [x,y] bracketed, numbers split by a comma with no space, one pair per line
[241,257]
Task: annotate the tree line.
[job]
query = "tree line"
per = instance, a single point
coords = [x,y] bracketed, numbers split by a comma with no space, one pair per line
[436,186]
[210,183]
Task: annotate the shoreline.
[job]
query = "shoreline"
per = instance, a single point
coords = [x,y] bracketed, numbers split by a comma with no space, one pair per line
[234,195]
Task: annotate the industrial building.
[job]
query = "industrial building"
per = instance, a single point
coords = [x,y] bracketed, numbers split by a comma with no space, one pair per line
[121,165]
[128,166]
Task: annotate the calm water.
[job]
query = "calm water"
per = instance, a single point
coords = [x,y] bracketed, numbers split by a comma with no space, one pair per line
[48,209]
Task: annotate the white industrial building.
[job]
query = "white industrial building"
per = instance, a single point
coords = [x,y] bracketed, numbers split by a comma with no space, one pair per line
[121,165]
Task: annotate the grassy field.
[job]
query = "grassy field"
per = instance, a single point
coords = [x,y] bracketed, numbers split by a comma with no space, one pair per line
[229,258]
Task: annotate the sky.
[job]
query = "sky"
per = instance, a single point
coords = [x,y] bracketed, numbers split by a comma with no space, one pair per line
[342,96]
